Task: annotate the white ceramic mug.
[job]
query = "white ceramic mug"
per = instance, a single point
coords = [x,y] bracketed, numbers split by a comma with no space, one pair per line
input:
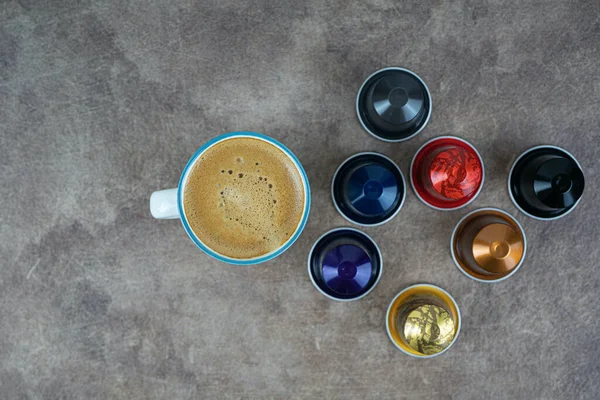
[168,204]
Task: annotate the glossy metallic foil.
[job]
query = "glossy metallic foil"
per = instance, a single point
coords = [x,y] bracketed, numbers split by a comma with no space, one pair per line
[428,329]
[423,320]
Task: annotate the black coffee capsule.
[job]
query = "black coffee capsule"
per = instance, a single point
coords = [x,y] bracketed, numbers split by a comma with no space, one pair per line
[546,182]
[393,104]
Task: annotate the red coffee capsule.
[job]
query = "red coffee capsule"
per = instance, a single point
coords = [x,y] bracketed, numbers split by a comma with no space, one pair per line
[447,173]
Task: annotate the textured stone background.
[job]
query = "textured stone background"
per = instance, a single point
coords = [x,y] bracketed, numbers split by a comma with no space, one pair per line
[102,102]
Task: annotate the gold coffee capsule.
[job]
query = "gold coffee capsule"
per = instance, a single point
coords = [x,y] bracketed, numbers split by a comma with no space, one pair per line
[488,245]
[423,321]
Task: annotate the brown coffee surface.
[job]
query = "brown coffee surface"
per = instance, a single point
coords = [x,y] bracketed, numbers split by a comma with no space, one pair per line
[243,198]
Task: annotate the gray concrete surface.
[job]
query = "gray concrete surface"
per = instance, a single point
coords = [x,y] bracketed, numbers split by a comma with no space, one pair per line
[102,102]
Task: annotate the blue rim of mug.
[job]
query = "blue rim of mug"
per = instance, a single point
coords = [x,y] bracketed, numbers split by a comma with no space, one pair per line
[249,261]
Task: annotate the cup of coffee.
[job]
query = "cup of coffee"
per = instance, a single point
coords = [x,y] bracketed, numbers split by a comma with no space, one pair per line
[423,321]
[488,245]
[243,198]
[447,173]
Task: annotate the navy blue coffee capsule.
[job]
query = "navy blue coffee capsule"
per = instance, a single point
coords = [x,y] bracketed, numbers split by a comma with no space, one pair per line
[546,182]
[393,104]
[345,264]
[368,189]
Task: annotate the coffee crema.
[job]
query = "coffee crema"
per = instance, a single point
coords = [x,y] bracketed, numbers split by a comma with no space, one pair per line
[244,198]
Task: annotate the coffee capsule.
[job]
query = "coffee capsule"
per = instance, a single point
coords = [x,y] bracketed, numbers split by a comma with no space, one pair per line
[423,321]
[368,189]
[447,173]
[345,264]
[393,104]
[488,245]
[546,182]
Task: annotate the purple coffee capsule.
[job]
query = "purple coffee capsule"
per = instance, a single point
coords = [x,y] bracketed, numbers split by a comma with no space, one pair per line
[345,264]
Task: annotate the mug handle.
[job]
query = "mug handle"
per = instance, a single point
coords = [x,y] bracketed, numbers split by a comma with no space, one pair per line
[163,204]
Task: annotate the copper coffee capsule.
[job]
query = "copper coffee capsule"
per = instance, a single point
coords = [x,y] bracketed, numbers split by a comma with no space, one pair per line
[488,245]
[423,321]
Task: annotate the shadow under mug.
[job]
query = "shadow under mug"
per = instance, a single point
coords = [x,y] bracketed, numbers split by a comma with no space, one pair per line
[168,204]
